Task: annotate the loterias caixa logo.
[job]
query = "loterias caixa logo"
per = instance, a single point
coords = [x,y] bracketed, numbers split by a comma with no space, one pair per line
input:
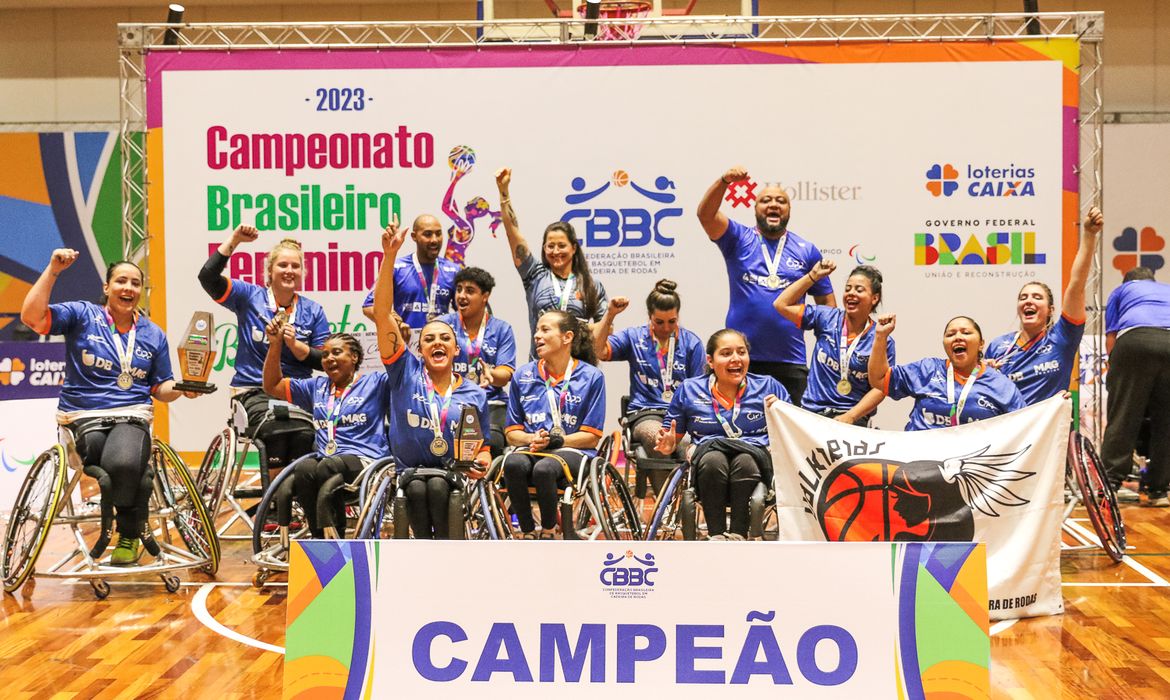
[1135,248]
[874,498]
[981,180]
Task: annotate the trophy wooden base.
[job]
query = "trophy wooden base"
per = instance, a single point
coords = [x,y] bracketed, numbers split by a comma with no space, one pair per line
[196,387]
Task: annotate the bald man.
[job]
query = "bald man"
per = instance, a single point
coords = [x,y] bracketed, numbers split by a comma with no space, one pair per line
[424,283]
[761,261]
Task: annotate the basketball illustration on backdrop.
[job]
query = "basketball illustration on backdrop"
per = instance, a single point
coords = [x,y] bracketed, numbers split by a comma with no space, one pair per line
[462,230]
[872,499]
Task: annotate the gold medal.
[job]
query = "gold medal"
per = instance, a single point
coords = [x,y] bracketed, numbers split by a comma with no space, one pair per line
[438,446]
[844,388]
[125,381]
[667,395]
[330,447]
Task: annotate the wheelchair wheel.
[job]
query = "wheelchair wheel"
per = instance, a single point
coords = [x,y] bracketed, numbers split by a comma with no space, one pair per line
[485,517]
[32,515]
[373,522]
[620,519]
[1097,496]
[664,522]
[266,537]
[190,515]
[218,460]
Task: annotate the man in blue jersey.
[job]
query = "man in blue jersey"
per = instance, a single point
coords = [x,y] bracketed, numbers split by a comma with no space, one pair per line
[424,282]
[1137,338]
[761,261]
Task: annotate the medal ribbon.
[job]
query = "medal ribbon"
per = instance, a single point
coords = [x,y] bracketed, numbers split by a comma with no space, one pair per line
[291,309]
[845,349]
[772,263]
[957,409]
[555,402]
[125,353]
[730,429]
[334,404]
[1015,346]
[438,412]
[563,295]
[473,347]
[433,289]
[665,371]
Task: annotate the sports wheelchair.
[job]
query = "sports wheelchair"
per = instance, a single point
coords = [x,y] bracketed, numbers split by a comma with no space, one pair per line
[51,495]
[678,510]
[475,511]
[1086,484]
[221,480]
[596,503]
[271,543]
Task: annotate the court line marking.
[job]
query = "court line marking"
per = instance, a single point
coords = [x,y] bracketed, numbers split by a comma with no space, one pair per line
[199,607]
[1154,579]
[1000,626]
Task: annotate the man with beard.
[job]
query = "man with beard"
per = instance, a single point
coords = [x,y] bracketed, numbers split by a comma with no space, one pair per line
[761,261]
[424,283]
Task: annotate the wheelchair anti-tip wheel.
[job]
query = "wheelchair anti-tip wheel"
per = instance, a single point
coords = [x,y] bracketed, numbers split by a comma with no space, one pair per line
[32,516]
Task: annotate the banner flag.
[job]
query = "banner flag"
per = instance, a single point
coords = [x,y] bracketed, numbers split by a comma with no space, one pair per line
[997,481]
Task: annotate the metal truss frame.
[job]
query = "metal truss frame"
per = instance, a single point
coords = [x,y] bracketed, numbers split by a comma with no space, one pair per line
[136,40]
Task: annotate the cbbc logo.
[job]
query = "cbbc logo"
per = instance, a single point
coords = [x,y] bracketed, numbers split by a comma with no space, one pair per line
[626,227]
[998,248]
[1136,249]
[631,575]
[943,180]
[11,371]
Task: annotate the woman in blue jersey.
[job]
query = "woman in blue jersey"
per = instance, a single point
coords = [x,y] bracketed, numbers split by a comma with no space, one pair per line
[838,381]
[556,415]
[959,389]
[349,412]
[561,281]
[1040,356]
[304,329]
[661,355]
[487,346]
[724,415]
[116,361]
[428,397]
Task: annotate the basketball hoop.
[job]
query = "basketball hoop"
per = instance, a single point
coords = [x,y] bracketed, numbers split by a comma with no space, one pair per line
[619,9]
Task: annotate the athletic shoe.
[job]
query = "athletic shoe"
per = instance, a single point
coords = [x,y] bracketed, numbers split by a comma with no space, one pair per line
[1125,495]
[1157,500]
[127,551]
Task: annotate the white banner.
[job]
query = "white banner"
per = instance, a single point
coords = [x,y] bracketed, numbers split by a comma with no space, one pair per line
[413,619]
[958,205]
[998,481]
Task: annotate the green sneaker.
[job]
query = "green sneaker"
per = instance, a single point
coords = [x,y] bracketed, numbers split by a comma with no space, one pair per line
[127,551]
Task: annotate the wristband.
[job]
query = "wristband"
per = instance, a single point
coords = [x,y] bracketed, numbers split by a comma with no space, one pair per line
[555,442]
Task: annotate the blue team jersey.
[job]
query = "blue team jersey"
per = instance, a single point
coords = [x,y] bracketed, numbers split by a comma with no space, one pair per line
[92,364]
[1042,367]
[636,346]
[582,404]
[825,369]
[926,380]
[412,293]
[498,349]
[1138,304]
[694,409]
[541,294]
[253,312]
[361,427]
[750,309]
[411,432]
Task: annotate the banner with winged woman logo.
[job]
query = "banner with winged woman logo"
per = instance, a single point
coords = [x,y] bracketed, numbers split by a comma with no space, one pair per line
[997,481]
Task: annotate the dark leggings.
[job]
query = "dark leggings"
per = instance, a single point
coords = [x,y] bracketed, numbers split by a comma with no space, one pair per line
[720,481]
[547,475]
[426,501]
[284,440]
[497,416]
[118,456]
[323,507]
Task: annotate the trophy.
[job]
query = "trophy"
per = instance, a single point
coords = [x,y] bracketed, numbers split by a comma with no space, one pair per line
[196,356]
[468,438]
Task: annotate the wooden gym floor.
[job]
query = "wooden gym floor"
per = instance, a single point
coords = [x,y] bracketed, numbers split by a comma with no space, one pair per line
[223,638]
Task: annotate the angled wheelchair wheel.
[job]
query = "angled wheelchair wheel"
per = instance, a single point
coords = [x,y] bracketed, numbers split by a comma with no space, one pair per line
[37,503]
[189,511]
[218,461]
[620,519]
[664,523]
[265,533]
[374,523]
[1097,496]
